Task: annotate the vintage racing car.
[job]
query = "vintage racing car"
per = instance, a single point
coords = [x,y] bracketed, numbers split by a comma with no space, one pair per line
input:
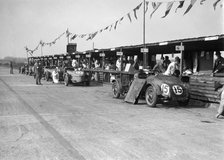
[155,89]
[72,75]
[163,88]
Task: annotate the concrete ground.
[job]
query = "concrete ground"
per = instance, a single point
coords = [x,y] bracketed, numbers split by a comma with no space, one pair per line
[55,122]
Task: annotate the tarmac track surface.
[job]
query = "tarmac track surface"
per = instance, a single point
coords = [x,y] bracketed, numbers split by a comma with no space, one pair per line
[54,122]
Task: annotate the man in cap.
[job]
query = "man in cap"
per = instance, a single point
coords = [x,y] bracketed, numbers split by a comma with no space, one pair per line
[219,63]
[38,69]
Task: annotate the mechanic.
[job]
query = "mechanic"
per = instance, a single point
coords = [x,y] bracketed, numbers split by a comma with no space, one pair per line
[55,75]
[220,89]
[219,63]
[118,64]
[173,67]
[75,63]
[38,70]
[159,67]
[11,67]
[166,62]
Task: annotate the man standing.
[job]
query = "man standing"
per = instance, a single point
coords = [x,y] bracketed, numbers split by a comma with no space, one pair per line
[166,62]
[220,89]
[159,67]
[38,69]
[173,67]
[11,67]
[219,63]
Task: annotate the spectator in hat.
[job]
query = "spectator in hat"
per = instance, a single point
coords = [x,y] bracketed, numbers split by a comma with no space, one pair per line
[219,63]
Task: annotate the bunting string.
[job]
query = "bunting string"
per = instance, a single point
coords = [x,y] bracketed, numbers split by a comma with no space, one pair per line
[155,5]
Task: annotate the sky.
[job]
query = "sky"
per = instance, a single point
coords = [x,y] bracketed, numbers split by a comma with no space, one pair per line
[26,22]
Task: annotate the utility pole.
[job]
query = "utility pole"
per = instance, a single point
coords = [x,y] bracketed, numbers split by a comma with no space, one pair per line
[67,35]
[41,47]
[144,46]
[181,57]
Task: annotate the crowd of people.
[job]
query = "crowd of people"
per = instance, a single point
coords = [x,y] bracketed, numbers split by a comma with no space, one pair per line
[163,66]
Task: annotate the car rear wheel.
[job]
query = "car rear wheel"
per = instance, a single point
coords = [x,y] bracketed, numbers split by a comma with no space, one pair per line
[151,96]
[66,80]
[47,76]
[115,89]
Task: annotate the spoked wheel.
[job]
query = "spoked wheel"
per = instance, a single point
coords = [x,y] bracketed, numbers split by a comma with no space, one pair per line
[47,76]
[66,80]
[115,89]
[151,96]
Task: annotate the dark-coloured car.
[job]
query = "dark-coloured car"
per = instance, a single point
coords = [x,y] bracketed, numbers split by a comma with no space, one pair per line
[155,89]
[72,76]
[166,88]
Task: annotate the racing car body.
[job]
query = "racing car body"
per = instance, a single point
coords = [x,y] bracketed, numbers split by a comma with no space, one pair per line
[76,76]
[166,88]
[159,88]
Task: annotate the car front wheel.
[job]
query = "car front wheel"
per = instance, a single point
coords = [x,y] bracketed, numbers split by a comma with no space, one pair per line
[151,96]
[116,89]
[47,76]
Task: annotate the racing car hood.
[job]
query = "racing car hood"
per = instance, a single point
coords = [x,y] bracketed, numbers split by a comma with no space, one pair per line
[160,79]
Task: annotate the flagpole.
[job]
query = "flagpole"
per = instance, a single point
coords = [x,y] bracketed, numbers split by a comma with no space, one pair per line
[68,36]
[144,53]
[41,50]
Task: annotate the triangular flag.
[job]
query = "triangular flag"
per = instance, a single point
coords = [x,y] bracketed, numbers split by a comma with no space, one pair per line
[155,6]
[190,6]
[82,35]
[146,6]
[129,16]
[181,4]
[202,2]
[215,4]
[121,19]
[93,35]
[74,36]
[111,27]
[90,35]
[135,9]
[106,27]
[168,8]
[115,26]
[67,33]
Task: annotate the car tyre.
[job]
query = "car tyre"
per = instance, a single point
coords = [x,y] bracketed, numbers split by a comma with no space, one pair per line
[47,76]
[150,96]
[116,89]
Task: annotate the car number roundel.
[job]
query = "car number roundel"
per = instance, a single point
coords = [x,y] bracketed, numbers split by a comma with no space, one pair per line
[178,90]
